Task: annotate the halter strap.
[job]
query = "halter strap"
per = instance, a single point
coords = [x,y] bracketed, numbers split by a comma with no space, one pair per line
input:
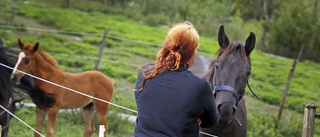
[226,88]
[230,89]
[256,95]
[317,115]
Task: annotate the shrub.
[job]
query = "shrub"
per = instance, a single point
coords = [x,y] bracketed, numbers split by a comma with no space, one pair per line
[156,19]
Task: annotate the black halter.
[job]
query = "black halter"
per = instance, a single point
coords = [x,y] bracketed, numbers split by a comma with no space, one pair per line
[318,115]
[234,93]
[232,90]
[256,95]
[226,88]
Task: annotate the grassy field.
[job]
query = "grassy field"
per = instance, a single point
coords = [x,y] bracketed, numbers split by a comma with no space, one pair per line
[73,37]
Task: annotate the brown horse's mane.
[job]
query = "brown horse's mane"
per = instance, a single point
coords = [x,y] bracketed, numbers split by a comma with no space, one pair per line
[44,55]
[48,58]
[234,47]
[86,86]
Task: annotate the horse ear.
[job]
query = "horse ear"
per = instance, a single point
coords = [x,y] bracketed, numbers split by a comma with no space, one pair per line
[250,43]
[222,38]
[21,45]
[35,47]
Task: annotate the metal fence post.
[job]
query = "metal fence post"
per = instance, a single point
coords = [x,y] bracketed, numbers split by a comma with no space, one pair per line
[308,119]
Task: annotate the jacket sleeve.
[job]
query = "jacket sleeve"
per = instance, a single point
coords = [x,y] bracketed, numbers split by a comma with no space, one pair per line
[140,77]
[210,115]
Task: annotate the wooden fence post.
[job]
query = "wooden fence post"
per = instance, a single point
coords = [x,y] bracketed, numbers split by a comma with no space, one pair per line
[103,42]
[13,11]
[308,119]
[0,130]
[285,91]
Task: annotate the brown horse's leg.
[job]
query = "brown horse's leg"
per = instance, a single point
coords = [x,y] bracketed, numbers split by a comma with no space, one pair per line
[52,118]
[41,115]
[88,120]
[102,109]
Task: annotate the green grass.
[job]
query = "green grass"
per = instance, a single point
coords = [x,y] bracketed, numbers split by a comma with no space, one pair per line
[69,124]
[122,58]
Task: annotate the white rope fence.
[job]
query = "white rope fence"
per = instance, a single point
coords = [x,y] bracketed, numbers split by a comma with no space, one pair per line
[130,40]
[257,62]
[101,127]
[21,121]
[101,133]
[136,65]
[208,134]
[79,33]
[72,89]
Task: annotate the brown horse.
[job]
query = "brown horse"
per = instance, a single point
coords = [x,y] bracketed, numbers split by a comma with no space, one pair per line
[93,83]
[8,89]
[228,76]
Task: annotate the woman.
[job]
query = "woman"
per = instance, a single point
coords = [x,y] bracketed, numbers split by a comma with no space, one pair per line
[171,100]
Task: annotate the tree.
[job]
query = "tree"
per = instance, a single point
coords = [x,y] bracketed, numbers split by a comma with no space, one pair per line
[295,25]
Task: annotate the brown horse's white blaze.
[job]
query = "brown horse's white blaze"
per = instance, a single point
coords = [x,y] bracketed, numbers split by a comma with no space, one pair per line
[93,83]
[15,77]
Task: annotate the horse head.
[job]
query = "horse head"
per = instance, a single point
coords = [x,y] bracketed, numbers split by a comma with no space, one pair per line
[25,61]
[231,72]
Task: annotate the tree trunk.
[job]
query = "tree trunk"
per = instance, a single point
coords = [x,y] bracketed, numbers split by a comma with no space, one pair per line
[265,25]
[66,3]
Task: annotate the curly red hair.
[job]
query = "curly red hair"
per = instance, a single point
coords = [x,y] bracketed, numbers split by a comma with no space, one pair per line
[179,48]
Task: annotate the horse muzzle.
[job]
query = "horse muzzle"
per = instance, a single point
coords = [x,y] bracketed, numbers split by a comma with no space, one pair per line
[227,113]
[15,78]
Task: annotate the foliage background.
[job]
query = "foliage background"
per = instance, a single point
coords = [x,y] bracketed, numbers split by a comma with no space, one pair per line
[71,32]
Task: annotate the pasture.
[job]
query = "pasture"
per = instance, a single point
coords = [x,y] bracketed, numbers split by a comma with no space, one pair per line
[72,37]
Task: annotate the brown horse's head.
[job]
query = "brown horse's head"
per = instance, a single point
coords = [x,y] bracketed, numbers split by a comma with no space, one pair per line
[230,74]
[25,61]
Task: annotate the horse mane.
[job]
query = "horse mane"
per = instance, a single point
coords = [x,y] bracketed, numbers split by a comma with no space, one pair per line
[234,47]
[42,99]
[5,88]
[39,97]
[48,58]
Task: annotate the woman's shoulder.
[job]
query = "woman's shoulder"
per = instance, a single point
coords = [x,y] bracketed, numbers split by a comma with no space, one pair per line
[147,66]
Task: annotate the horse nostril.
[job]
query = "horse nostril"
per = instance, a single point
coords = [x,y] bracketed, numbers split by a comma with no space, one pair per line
[234,110]
[13,78]
[219,106]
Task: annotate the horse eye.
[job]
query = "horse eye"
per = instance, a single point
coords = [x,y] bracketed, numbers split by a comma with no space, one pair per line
[26,61]
[248,73]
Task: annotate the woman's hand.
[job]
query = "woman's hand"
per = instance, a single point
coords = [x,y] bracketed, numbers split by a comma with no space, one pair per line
[199,121]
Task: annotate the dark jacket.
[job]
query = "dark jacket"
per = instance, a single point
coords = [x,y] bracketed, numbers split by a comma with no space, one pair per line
[171,104]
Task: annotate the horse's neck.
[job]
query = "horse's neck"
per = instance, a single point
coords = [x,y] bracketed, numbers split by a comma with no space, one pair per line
[44,68]
[201,66]
[2,98]
[5,85]
[5,95]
